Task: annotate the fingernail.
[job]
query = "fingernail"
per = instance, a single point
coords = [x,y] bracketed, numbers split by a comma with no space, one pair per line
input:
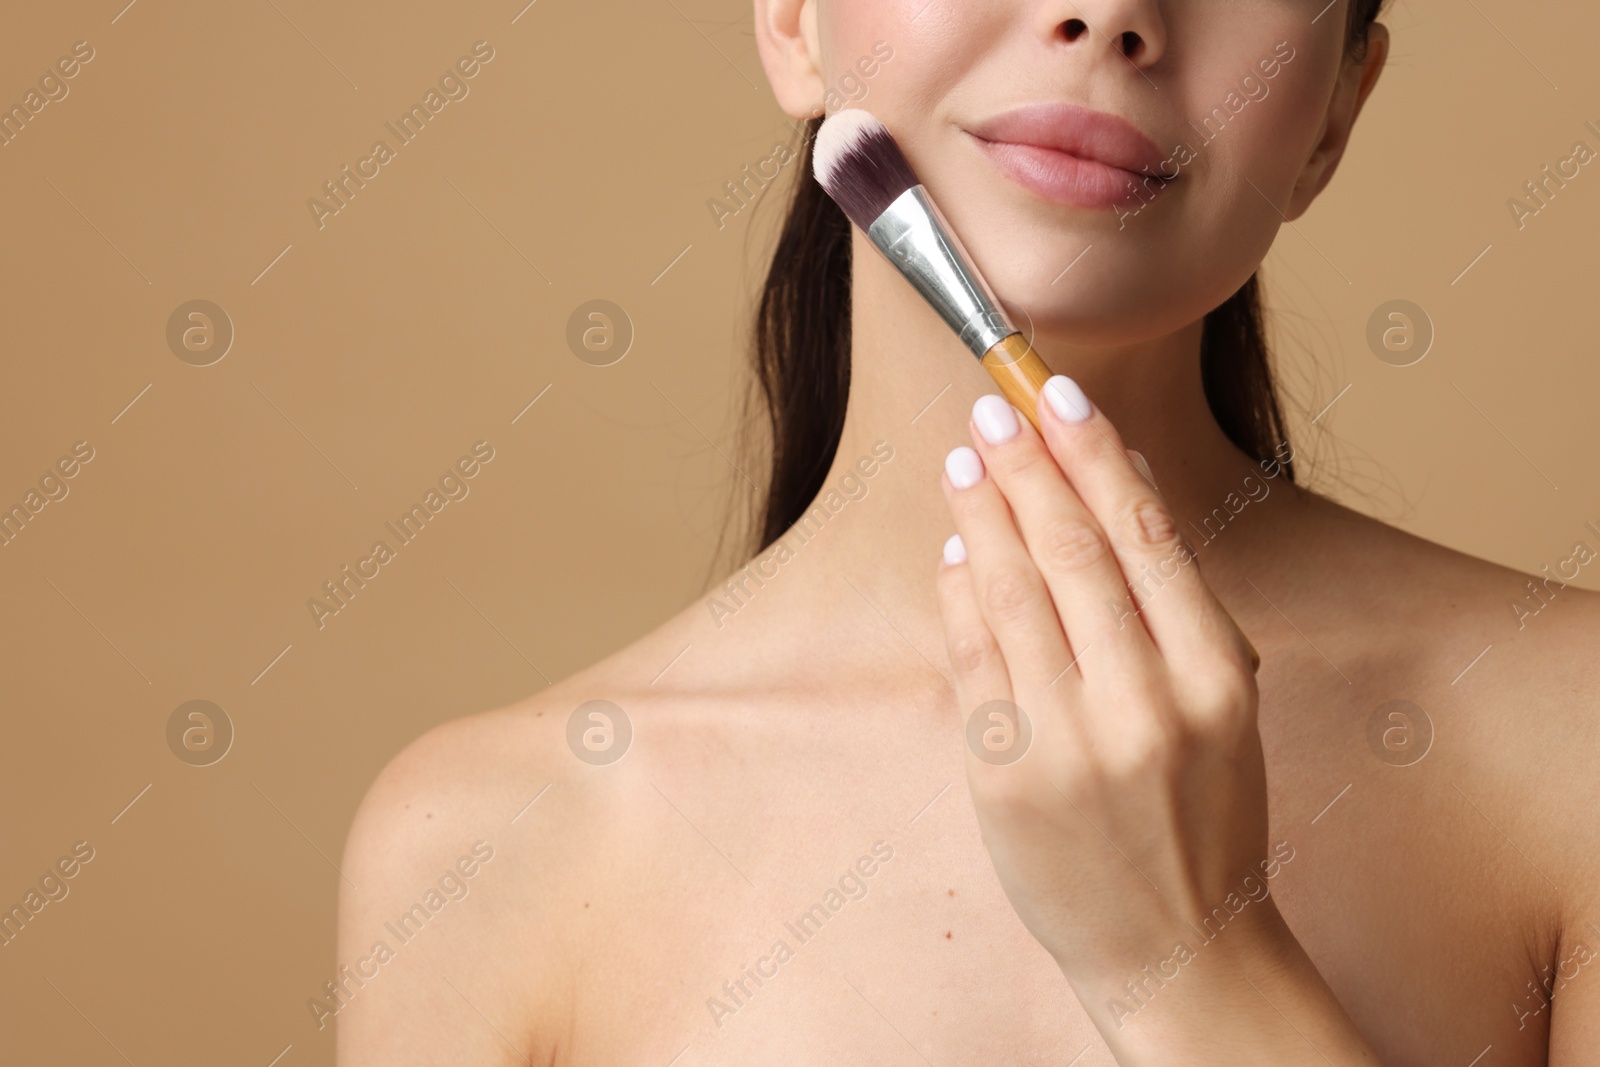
[1142,464]
[955,550]
[1067,400]
[964,467]
[996,418]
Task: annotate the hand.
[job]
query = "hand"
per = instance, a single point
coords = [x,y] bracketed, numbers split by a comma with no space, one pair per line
[1139,804]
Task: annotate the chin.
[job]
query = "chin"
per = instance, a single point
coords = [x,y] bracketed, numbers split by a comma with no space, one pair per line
[1107,295]
[1073,274]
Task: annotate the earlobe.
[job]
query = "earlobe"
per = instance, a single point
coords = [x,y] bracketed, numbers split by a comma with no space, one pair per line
[1356,83]
[786,35]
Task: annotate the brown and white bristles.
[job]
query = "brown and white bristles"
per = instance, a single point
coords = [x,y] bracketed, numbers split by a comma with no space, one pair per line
[858,163]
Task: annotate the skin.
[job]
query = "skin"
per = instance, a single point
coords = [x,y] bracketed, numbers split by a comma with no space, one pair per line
[1393,914]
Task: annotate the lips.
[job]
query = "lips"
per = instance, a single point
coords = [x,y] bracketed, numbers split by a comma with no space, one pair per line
[1071,154]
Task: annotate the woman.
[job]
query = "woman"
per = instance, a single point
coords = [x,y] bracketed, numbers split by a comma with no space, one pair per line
[811,826]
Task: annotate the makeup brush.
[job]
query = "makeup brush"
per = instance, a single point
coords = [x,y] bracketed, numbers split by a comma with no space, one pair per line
[859,165]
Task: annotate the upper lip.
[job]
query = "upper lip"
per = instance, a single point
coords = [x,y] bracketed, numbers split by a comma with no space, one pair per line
[1077,131]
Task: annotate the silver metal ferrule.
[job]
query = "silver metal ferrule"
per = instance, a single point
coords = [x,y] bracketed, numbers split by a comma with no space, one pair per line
[913,235]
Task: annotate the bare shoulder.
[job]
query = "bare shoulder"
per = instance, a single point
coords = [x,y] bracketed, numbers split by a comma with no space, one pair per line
[1440,595]
[466,863]
[1509,662]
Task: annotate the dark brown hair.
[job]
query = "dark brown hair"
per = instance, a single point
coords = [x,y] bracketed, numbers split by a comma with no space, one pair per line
[802,343]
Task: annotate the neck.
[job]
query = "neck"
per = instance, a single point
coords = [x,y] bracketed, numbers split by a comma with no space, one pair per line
[912,385]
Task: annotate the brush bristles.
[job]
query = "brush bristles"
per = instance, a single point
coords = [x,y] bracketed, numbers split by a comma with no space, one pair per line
[859,165]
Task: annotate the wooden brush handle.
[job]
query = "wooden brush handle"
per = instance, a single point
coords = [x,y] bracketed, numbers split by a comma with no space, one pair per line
[1021,374]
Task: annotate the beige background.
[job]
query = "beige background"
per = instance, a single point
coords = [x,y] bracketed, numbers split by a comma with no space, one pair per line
[426,316]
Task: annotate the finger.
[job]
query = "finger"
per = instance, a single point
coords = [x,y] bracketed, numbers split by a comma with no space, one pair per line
[980,670]
[1066,542]
[1011,596]
[1183,617]
[996,731]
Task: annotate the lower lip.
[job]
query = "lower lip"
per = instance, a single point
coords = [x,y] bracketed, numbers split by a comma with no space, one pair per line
[1063,178]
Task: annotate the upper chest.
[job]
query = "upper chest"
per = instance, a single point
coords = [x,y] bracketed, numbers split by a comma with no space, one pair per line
[810,905]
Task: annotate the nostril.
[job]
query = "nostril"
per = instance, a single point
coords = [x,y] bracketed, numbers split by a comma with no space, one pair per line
[1130,42]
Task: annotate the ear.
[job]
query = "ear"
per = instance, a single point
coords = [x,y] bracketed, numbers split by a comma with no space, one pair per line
[786,35]
[1355,84]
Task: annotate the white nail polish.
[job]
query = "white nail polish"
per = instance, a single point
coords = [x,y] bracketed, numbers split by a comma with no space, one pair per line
[955,550]
[1067,400]
[996,418]
[964,467]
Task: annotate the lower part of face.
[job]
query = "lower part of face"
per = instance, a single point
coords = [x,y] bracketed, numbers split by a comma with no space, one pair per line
[1232,96]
